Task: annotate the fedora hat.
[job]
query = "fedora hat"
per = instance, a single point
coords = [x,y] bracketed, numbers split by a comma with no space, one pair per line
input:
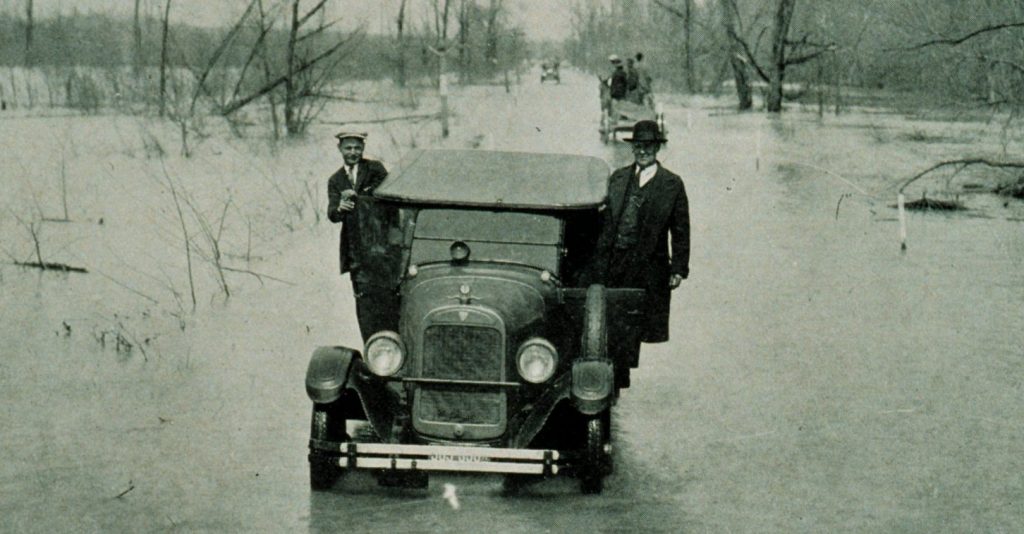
[646,132]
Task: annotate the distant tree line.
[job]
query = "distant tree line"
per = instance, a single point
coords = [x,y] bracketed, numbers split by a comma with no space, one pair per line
[285,53]
[968,52]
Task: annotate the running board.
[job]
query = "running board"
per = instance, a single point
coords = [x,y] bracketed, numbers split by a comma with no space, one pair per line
[442,458]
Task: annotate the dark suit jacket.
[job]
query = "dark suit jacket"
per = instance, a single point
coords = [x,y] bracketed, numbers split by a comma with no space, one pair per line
[369,175]
[664,217]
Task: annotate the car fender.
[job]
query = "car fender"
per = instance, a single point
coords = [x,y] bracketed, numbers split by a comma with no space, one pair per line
[592,385]
[593,375]
[328,372]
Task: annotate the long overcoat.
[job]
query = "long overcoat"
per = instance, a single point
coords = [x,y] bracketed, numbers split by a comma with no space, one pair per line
[352,245]
[664,218]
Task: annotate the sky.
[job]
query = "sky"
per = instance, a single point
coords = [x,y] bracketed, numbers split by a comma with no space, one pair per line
[541,19]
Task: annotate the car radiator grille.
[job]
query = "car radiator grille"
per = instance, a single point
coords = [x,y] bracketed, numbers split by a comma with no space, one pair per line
[457,352]
[460,407]
[461,352]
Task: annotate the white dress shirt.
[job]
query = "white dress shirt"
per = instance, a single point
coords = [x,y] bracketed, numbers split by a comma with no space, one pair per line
[647,173]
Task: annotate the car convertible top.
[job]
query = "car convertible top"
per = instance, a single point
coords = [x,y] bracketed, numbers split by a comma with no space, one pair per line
[489,179]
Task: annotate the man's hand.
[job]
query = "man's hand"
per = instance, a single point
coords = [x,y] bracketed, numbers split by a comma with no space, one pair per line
[675,280]
[347,203]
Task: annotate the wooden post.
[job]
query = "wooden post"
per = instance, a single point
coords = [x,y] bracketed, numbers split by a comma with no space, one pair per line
[64,186]
[757,153]
[443,90]
[821,92]
[903,221]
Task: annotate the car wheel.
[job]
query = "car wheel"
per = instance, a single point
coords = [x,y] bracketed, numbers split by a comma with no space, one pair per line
[327,424]
[594,465]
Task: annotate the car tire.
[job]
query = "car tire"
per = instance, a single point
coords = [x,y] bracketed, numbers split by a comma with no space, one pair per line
[595,327]
[594,463]
[327,424]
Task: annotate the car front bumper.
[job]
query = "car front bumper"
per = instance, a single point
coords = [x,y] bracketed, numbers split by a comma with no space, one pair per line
[450,458]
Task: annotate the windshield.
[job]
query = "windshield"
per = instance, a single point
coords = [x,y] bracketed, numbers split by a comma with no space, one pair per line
[504,236]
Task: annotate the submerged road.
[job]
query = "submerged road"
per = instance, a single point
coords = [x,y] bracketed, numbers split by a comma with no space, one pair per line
[817,379]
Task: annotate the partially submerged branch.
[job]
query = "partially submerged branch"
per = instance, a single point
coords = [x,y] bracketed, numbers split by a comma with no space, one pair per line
[51,266]
[410,118]
[962,39]
[961,164]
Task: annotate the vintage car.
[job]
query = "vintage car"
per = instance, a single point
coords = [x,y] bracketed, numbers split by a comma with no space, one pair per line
[549,72]
[503,362]
[619,115]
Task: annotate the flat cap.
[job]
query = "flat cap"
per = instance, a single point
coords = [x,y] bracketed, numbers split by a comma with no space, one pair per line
[350,135]
[614,58]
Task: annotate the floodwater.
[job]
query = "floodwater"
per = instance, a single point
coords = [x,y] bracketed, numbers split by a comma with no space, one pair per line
[818,378]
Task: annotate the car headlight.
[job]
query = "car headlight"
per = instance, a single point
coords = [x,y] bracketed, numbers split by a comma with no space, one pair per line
[536,360]
[385,353]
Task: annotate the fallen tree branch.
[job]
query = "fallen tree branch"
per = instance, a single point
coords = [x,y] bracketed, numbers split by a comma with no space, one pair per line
[125,492]
[50,266]
[962,164]
[424,116]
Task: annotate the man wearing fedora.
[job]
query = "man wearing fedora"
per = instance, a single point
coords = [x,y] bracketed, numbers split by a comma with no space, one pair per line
[363,245]
[647,209]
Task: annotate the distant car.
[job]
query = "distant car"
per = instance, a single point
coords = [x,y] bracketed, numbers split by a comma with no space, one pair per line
[549,72]
[502,363]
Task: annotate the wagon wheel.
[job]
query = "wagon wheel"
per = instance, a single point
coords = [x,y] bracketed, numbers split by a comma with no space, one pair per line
[594,458]
[328,424]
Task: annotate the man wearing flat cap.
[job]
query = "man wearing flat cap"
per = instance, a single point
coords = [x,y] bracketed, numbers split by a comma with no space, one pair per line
[617,82]
[647,210]
[363,244]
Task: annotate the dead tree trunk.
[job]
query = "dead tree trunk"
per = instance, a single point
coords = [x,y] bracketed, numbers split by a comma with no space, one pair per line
[29,24]
[691,84]
[137,38]
[400,23]
[783,18]
[491,50]
[464,53]
[163,58]
[289,82]
[735,51]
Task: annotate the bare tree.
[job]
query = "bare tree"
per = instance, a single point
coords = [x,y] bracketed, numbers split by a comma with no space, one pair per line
[494,9]
[686,14]
[465,55]
[164,33]
[735,53]
[137,40]
[400,26]
[29,26]
[310,60]
[784,52]
[780,35]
